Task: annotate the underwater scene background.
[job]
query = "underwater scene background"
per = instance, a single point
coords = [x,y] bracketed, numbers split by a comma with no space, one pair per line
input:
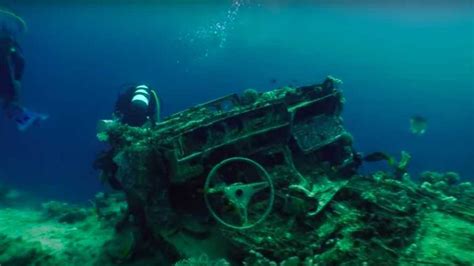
[396,60]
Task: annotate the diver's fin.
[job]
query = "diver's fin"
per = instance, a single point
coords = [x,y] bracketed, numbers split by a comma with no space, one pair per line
[25,118]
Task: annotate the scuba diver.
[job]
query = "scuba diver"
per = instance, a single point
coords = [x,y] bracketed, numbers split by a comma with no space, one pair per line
[12,65]
[138,106]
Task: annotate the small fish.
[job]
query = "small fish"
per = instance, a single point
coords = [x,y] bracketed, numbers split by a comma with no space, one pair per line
[418,125]
[376,156]
[379,156]
[273,81]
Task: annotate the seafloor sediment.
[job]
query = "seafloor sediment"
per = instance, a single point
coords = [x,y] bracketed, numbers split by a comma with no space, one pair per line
[376,219]
[258,179]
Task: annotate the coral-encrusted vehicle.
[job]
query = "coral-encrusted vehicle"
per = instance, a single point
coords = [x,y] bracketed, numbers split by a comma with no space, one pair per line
[241,159]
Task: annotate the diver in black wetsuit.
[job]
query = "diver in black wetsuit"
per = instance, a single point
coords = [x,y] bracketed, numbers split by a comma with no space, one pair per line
[138,106]
[12,64]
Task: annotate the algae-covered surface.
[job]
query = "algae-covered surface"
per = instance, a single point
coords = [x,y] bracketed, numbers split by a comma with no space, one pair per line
[372,221]
[446,239]
[30,236]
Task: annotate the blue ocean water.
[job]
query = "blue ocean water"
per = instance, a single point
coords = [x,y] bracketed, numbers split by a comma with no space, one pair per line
[396,61]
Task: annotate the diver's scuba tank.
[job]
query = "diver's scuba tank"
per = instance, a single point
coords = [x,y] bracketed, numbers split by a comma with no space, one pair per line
[137,106]
[140,101]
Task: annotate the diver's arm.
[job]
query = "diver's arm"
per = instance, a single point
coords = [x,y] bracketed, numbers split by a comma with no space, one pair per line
[18,62]
[14,84]
[123,103]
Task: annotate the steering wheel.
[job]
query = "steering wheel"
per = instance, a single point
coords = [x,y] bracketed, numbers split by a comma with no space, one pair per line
[238,194]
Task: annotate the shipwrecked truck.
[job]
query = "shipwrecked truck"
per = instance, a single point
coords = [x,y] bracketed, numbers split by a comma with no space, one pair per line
[237,163]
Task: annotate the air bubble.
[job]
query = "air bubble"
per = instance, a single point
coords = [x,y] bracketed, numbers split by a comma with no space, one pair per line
[215,35]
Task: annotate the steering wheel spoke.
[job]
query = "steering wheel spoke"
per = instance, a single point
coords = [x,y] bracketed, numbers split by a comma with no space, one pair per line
[217,189]
[256,187]
[244,216]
